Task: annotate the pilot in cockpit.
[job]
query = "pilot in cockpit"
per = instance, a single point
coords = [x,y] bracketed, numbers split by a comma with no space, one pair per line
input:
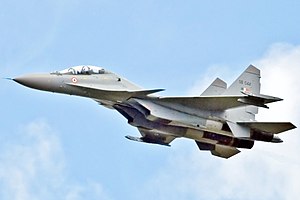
[85,70]
[82,70]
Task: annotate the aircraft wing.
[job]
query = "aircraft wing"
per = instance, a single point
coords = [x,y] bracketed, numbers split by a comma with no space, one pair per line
[220,102]
[203,102]
[269,127]
[218,150]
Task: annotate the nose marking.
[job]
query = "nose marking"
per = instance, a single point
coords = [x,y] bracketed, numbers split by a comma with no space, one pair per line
[74,80]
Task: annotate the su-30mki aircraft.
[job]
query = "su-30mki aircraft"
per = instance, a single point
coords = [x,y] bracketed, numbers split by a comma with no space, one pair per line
[221,120]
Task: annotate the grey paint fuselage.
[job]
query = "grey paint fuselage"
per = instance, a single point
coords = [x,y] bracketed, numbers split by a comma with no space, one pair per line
[112,91]
[212,121]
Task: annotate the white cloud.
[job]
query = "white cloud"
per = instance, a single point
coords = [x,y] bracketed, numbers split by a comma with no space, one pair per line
[33,167]
[268,171]
[208,77]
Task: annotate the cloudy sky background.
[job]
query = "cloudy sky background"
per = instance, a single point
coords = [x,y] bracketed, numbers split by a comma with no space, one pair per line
[60,147]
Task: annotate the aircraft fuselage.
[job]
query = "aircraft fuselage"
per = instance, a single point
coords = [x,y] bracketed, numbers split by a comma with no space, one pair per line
[217,123]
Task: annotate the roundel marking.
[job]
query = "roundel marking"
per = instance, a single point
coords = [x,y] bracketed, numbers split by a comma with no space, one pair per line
[74,80]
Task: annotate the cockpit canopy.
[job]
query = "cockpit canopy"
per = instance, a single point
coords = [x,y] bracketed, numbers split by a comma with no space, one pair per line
[83,70]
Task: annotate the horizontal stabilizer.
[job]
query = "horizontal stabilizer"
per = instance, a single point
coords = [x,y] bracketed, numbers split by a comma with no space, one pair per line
[218,150]
[261,97]
[269,127]
[257,99]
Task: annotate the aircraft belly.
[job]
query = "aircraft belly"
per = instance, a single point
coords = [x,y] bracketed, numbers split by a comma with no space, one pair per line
[208,137]
[218,137]
[194,134]
[239,131]
[156,129]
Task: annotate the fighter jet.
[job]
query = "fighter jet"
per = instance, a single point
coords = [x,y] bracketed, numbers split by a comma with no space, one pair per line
[220,120]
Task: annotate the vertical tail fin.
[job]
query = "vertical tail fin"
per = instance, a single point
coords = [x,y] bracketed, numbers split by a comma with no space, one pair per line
[248,81]
[217,87]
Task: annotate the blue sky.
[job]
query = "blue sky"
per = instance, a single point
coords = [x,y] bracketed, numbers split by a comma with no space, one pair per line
[61,147]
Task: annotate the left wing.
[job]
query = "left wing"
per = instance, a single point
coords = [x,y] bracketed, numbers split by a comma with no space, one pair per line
[219,102]
[202,102]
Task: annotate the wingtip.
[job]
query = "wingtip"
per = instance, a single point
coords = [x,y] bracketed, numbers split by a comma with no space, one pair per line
[293,126]
[8,78]
[160,90]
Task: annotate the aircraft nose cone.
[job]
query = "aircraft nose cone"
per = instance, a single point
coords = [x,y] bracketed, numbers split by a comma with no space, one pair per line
[36,81]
